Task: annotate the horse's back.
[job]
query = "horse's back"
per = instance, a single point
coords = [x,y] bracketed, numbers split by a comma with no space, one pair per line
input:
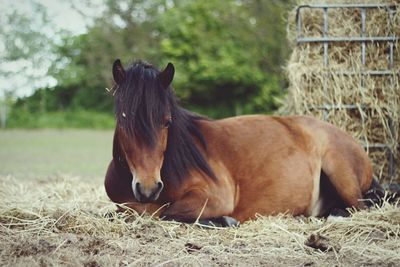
[304,134]
[277,161]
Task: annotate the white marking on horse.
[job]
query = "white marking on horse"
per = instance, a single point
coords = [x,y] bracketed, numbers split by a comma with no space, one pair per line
[316,200]
[134,180]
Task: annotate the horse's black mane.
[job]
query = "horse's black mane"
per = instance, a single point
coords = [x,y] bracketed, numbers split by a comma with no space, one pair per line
[141,104]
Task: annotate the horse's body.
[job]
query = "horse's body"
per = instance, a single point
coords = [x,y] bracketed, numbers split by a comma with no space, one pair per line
[260,165]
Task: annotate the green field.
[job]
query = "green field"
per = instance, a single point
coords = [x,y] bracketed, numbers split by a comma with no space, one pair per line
[27,154]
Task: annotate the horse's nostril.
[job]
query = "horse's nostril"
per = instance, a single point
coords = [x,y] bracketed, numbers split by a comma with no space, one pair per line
[138,188]
[160,185]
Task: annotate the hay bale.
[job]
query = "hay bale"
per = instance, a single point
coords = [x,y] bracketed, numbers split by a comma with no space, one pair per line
[339,90]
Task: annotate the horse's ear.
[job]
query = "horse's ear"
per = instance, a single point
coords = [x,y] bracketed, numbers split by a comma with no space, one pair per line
[118,72]
[167,75]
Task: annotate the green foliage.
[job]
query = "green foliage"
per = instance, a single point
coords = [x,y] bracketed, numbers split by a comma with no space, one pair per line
[81,83]
[216,47]
[228,57]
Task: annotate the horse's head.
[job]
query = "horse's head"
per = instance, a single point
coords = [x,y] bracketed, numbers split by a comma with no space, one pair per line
[144,114]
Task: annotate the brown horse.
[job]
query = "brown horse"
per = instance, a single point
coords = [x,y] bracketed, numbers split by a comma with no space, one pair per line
[237,167]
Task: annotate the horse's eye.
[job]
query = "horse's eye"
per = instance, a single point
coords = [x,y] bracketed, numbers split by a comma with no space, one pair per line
[168,123]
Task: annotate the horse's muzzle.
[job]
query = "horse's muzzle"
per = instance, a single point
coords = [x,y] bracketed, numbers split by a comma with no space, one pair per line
[145,195]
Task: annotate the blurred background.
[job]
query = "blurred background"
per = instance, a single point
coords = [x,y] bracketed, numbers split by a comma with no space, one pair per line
[56,58]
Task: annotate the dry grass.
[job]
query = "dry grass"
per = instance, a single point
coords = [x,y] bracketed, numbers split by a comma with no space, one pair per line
[62,222]
[314,85]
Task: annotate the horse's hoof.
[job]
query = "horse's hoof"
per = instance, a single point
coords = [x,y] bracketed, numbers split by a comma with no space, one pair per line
[339,213]
[223,221]
[227,221]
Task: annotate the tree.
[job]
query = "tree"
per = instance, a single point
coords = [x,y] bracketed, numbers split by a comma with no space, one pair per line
[26,52]
[228,55]
[223,59]
[83,64]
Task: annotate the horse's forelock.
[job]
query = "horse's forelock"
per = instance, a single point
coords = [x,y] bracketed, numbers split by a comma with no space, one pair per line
[141,103]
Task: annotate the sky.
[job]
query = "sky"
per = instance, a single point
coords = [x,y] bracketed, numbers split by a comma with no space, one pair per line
[63,15]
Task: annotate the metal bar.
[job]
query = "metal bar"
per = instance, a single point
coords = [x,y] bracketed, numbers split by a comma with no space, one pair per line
[325,85]
[391,154]
[348,39]
[362,81]
[377,145]
[363,35]
[391,167]
[391,11]
[325,34]
[298,24]
[391,170]
[340,106]
[366,73]
[390,55]
[347,6]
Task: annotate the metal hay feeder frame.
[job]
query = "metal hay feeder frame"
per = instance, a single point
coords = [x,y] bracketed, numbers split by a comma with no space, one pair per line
[363,39]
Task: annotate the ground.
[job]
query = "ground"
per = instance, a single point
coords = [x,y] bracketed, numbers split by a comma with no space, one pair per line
[57,213]
[31,154]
